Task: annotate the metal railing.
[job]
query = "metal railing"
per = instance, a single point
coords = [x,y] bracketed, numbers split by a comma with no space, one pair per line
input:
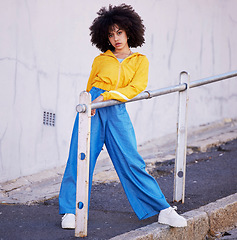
[84,109]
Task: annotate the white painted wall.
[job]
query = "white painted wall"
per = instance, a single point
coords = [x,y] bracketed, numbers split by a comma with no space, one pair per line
[46,57]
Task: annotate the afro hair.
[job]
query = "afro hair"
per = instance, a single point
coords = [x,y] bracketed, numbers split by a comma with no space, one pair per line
[125,18]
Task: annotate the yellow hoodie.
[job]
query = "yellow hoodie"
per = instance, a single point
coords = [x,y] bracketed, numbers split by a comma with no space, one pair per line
[122,81]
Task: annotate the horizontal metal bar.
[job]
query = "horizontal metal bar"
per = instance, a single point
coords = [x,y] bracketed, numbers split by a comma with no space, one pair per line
[105,104]
[177,88]
[163,91]
[144,95]
[212,79]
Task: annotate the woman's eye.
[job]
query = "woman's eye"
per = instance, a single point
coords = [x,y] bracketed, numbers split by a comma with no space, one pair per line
[110,35]
[119,33]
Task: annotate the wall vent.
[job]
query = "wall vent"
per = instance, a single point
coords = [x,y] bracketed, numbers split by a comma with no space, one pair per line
[49,119]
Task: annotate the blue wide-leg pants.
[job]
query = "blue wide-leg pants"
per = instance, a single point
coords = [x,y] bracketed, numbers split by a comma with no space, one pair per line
[112,126]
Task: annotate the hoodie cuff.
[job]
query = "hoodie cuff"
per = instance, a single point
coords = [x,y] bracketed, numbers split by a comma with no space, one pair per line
[105,95]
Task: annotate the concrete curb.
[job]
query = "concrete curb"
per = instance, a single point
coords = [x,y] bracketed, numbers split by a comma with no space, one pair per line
[207,221]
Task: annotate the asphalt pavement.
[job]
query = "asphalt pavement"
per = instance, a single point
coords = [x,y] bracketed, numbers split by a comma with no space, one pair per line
[211,175]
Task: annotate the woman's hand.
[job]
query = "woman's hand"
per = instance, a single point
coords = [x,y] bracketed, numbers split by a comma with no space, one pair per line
[98,99]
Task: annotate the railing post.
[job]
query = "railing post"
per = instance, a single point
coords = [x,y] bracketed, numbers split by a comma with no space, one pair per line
[181,146]
[83,159]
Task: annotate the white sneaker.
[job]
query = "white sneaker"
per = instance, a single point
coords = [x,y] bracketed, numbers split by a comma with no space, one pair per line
[68,221]
[170,217]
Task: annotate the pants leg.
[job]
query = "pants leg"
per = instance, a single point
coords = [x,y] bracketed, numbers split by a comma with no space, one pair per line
[96,142]
[142,190]
[67,195]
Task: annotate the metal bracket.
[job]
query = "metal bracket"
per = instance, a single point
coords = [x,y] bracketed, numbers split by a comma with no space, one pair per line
[149,94]
[81,108]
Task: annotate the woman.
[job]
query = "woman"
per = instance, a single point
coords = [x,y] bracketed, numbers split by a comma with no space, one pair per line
[119,74]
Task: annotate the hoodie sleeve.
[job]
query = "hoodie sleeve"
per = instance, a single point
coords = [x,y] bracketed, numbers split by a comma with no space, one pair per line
[136,86]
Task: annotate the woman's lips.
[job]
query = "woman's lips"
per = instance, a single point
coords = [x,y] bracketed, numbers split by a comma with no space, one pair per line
[117,44]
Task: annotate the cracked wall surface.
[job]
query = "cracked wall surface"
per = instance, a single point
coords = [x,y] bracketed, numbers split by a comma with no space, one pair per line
[46,57]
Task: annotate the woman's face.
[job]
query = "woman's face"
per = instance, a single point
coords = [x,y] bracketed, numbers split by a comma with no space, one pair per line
[118,38]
